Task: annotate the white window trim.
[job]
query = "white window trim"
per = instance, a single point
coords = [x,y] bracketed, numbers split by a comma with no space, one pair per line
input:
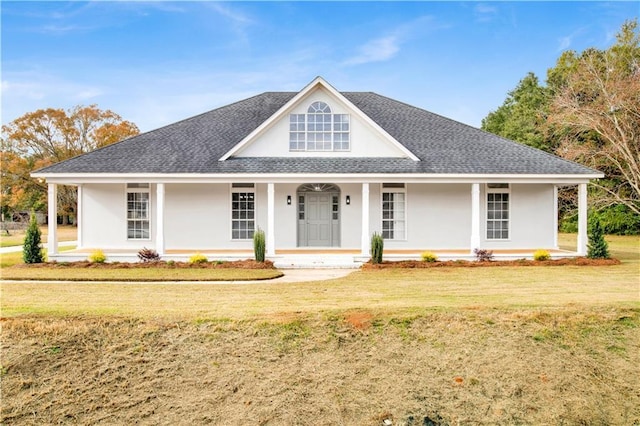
[488,191]
[306,130]
[406,210]
[128,190]
[233,190]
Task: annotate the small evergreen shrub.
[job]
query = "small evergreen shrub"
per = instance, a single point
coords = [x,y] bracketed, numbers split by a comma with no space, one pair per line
[198,258]
[148,255]
[597,247]
[428,256]
[541,255]
[377,247]
[483,255]
[97,256]
[171,263]
[259,245]
[31,250]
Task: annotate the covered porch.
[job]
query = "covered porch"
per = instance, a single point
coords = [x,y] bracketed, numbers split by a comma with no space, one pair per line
[365,217]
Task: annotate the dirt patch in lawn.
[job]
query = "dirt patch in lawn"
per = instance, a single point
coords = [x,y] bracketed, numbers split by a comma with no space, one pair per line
[555,366]
[236,264]
[577,261]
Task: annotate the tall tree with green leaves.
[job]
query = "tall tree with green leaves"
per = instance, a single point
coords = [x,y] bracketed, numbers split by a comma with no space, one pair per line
[521,116]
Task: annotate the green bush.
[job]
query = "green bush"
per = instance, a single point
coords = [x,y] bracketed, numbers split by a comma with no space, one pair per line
[198,258]
[259,245]
[31,250]
[428,256]
[377,247]
[97,256]
[597,247]
[541,255]
[614,220]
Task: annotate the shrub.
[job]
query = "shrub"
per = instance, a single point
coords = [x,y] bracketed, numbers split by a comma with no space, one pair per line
[377,247]
[541,255]
[31,250]
[97,256]
[198,258]
[171,263]
[428,256]
[597,247]
[259,245]
[483,255]
[148,255]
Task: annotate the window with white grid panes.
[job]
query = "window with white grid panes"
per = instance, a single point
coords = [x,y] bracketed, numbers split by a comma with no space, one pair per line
[394,212]
[138,206]
[242,212]
[297,132]
[497,211]
[319,130]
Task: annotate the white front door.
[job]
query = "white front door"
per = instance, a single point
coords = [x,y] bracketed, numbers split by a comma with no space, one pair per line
[318,210]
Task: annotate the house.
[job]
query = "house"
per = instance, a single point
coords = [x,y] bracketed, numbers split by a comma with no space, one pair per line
[319,171]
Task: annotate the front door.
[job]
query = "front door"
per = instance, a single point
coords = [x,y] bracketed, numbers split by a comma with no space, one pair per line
[318,210]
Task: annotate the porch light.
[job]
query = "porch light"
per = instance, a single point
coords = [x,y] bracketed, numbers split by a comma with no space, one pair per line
[317,188]
[348,200]
[288,200]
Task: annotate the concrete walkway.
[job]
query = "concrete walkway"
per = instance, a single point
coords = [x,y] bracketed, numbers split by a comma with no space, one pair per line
[290,276]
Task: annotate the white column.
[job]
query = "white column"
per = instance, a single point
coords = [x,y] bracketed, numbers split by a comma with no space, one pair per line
[555,217]
[160,218]
[365,220]
[79,218]
[582,219]
[271,220]
[475,216]
[52,200]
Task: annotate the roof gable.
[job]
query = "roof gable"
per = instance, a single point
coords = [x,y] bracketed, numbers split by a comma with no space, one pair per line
[271,138]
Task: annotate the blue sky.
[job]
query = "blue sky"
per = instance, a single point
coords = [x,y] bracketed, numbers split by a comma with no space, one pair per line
[155,63]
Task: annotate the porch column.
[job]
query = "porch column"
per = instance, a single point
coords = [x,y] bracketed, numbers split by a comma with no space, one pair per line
[365,220]
[271,220]
[160,219]
[582,219]
[52,201]
[79,218]
[555,217]
[475,216]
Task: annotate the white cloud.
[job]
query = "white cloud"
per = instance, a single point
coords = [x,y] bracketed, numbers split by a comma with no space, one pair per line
[485,12]
[566,42]
[378,50]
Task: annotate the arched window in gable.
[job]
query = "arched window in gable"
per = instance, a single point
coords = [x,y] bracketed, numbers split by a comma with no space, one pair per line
[319,130]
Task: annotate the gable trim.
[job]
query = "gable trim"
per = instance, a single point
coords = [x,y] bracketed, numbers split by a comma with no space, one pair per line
[318,81]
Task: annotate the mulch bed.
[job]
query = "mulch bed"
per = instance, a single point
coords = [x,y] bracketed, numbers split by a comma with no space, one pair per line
[236,264]
[417,264]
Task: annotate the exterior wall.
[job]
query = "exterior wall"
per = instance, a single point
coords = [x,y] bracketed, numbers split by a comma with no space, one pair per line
[438,216]
[104,215]
[365,140]
[531,212]
[198,216]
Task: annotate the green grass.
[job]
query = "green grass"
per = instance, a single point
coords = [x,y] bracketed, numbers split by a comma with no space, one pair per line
[10,259]
[65,233]
[138,274]
[399,292]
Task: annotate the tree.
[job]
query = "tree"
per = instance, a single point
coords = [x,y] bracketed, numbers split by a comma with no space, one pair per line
[47,136]
[597,247]
[597,103]
[31,250]
[521,116]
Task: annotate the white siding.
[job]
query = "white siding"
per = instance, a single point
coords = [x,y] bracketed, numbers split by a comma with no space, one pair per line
[531,212]
[104,212]
[365,140]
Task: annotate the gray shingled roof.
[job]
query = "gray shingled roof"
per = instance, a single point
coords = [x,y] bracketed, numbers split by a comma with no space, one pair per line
[195,145]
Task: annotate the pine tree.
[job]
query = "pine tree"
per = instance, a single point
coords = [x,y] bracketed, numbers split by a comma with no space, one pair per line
[31,250]
[598,247]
